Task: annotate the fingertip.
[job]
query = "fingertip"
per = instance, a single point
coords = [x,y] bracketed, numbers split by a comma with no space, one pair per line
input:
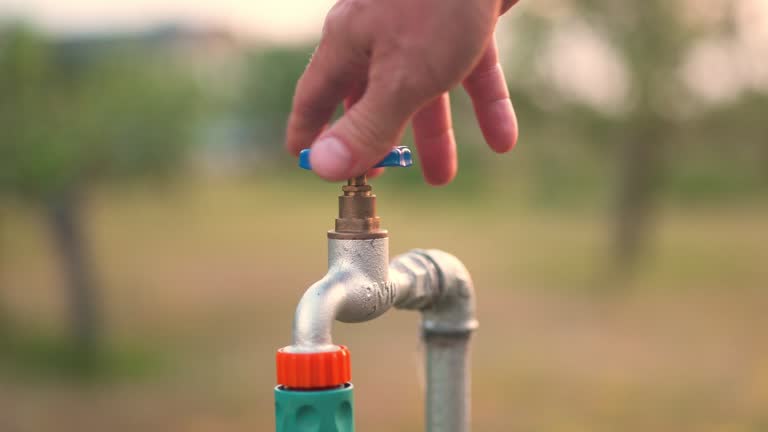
[498,123]
[433,135]
[331,159]
[440,176]
[439,164]
[487,87]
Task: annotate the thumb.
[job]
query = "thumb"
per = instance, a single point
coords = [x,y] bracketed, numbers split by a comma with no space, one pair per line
[362,136]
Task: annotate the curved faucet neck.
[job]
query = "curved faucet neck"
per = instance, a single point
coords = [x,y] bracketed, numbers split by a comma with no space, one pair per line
[355,289]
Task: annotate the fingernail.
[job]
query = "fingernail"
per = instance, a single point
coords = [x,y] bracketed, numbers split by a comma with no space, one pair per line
[331,158]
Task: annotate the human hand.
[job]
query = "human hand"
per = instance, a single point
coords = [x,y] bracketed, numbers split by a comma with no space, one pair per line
[393,61]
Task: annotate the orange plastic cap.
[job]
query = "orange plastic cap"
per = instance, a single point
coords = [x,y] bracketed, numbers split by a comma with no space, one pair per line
[313,370]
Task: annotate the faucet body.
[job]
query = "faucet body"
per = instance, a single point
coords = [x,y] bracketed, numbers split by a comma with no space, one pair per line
[355,289]
[362,284]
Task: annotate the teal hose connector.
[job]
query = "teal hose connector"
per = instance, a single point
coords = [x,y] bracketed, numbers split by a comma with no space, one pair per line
[313,392]
[330,410]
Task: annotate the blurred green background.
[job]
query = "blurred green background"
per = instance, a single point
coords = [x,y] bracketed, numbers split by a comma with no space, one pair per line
[155,237]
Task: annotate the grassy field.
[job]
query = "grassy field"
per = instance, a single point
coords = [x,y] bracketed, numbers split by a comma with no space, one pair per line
[204,278]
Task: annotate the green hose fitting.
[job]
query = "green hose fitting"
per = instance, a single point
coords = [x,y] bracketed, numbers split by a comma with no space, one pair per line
[329,410]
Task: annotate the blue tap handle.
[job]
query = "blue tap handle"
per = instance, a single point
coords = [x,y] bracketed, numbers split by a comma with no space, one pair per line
[397,157]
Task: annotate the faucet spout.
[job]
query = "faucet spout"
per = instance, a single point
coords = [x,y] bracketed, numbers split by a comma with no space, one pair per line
[316,313]
[355,289]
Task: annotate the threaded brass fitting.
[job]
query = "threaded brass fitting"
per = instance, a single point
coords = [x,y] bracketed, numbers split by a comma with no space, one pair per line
[357,212]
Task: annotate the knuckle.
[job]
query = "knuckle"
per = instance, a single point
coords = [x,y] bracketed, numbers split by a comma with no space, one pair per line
[321,79]
[413,85]
[408,74]
[333,21]
[354,9]
[343,18]
[307,106]
[366,130]
[485,72]
[302,109]
[326,78]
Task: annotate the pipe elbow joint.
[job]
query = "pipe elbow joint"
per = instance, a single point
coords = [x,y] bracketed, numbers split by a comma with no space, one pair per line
[441,287]
[453,311]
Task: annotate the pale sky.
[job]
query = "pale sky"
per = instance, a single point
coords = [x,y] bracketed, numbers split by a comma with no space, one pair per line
[578,61]
[272,19]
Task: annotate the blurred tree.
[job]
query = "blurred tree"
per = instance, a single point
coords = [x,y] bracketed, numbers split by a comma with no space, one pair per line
[68,119]
[654,38]
[651,40]
[4,316]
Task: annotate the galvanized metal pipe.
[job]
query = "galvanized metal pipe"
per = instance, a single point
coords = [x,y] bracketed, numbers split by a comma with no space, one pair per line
[448,320]
[448,383]
[360,286]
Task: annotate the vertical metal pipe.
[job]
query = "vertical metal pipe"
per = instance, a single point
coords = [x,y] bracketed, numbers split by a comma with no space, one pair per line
[448,383]
[439,285]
